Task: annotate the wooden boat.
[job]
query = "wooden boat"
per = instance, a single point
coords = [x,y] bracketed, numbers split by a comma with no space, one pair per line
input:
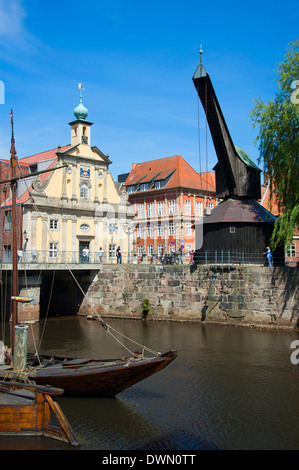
[26,409]
[87,377]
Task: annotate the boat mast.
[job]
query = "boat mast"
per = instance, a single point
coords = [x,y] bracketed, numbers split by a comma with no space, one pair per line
[13,185]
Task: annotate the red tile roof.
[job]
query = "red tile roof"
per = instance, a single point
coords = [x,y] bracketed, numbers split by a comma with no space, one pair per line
[182,174]
[39,157]
[47,155]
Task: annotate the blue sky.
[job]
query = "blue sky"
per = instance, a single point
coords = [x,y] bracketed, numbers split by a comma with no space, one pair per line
[136,60]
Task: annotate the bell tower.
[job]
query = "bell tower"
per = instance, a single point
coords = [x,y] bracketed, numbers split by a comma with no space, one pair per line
[80,128]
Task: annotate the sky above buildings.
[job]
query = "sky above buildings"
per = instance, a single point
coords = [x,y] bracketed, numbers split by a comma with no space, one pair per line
[136,60]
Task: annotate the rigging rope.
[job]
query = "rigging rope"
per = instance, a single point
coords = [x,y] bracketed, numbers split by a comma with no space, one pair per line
[45,322]
[109,327]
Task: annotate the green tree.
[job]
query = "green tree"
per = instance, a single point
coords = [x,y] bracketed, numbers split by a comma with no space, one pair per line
[278,142]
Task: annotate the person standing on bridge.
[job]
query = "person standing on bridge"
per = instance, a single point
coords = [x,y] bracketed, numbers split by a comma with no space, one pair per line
[34,255]
[268,253]
[20,255]
[101,254]
[85,254]
[118,255]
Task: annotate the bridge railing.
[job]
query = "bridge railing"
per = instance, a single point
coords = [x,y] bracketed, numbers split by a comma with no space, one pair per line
[215,258]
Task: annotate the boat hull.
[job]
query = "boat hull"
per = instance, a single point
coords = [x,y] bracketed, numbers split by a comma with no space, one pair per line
[23,413]
[25,409]
[94,378]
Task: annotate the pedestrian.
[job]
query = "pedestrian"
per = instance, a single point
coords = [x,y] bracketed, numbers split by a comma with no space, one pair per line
[191,253]
[85,254]
[268,254]
[20,255]
[118,255]
[101,254]
[34,255]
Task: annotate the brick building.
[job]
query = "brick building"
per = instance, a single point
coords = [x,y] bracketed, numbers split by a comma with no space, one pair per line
[5,211]
[168,197]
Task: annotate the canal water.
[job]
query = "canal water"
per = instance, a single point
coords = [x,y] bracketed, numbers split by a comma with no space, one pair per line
[229,388]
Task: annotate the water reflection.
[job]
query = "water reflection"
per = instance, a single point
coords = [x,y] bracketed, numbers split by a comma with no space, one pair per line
[229,388]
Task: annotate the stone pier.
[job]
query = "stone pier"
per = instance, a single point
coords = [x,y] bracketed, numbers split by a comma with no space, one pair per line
[29,287]
[243,294]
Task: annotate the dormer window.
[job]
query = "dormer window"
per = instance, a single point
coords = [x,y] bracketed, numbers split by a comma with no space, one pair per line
[159,184]
[33,168]
[131,189]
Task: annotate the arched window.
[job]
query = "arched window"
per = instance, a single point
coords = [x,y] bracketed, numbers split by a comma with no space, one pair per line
[84,191]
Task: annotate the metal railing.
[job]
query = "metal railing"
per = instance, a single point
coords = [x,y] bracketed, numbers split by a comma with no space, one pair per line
[216,258]
[230,258]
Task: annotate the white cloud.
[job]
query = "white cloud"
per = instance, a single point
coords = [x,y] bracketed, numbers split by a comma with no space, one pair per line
[12,17]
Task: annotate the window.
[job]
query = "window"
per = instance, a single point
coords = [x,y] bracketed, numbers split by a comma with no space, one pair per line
[291,251]
[140,210]
[171,228]
[150,209]
[84,191]
[160,230]
[199,212]
[210,205]
[171,248]
[112,252]
[171,206]
[187,207]
[159,184]
[53,224]
[53,250]
[140,250]
[232,229]
[188,228]
[7,220]
[149,230]
[150,250]
[7,253]
[144,187]
[33,168]
[131,189]
[140,231]
[160,208]
[160,249]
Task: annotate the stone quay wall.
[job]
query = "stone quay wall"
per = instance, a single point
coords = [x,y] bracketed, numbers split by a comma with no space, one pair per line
[248,295]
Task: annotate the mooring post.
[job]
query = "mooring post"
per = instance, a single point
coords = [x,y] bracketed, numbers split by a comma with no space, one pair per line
[20,349]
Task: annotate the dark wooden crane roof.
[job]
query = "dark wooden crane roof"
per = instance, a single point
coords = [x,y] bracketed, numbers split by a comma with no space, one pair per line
[239,211]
